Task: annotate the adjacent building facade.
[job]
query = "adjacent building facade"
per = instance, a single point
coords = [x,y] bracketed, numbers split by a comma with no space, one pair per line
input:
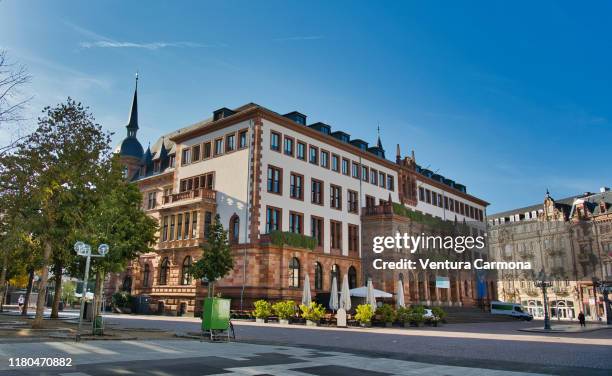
[265,173]
[570,240]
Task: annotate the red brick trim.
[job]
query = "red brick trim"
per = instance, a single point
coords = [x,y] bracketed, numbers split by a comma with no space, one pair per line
[255,179]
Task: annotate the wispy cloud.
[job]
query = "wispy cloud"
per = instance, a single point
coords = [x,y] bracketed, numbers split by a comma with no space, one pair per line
[298,38]
[147,46]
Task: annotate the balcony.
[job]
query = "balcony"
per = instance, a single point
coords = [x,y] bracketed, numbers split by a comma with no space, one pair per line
[202,194]
[377,210]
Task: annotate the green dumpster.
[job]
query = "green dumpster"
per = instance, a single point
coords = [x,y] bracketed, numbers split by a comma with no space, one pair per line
[216,314]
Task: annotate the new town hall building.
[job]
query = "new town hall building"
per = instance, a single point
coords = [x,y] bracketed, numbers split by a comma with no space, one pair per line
[263,172]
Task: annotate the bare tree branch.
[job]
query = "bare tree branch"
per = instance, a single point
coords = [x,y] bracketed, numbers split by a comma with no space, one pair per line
[12,76]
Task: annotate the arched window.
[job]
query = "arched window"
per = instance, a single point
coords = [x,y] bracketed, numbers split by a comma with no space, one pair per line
[127,283]
[294,272]
[352,277]
[318,274]
[335,272]
[185,275]
[163,271]
[146,275]
[234,229]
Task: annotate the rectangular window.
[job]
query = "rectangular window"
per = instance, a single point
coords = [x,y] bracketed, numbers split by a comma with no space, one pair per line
[439,200]
[152,200]
[206,151]
[451,204]
[313,155]
[335,234]
[382,178]
[353,238]
[296,222]
[165,229]
[445,202]
[273,219]
[179,227]
[370,201]
[218,146]
[364,173]
[195,153]
[301,151]
[207,223]
[275,141]
[275,180]
[390,183]
[374,177]
[335,197]
[172,218]
[316,192]
[345,166]
[230,142]
[428,196]
[355,170]
[316,229]
[242,139]
[288,148]
[324,159]
[172,161]
[421,194]
[434,198]
[353,201]
[194,225]
[296,186]
[187,223]
[186,157]
[335,163]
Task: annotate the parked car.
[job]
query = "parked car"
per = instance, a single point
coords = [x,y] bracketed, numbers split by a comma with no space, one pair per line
[510,309]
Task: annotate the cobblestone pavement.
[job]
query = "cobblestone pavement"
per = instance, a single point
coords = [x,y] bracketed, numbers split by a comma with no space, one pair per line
[459,344]
[182,357]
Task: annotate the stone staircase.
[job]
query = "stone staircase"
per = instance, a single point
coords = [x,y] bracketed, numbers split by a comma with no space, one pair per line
[462,315]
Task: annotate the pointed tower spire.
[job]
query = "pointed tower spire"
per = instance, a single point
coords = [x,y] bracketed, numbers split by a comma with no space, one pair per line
[132,126]
[379,143]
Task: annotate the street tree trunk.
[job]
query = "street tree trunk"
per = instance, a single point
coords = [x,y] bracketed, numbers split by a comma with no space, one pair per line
[57,272]
[3,278]
[98,292]
[26,302]
[42,290]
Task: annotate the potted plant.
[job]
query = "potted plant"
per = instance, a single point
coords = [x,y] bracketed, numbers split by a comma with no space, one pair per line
[364,315]
[263,310]
[439,315]
[284,310]
[404,315]
[387,314]
[417,315]
[312,313]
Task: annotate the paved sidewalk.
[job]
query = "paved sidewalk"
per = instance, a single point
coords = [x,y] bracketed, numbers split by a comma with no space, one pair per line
[568,328]
[176,357]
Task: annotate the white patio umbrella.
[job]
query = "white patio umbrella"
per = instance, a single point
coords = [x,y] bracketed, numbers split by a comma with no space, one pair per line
[306,296]
[345,294]
[362,292]
[400,294]
[370,298]
[333,295]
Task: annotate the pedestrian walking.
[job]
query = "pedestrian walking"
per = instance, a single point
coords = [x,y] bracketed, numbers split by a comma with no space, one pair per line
[20,301]
[581,319]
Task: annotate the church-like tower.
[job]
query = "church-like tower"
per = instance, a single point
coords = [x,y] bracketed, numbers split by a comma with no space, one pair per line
[131,151]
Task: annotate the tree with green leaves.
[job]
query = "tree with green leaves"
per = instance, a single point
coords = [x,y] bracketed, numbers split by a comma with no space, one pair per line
[51,179]
[118,220]
[217,260]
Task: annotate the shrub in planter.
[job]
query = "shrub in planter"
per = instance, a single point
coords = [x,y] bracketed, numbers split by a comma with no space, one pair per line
[404,315]
[312,313]
[387,314]
[417,315]
[364,314]
[284,310]
[439,313]
[263,310]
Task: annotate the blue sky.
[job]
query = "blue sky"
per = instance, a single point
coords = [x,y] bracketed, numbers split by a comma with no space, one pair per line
[508,100]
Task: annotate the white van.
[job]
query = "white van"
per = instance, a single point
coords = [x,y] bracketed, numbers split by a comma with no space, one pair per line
[510,309]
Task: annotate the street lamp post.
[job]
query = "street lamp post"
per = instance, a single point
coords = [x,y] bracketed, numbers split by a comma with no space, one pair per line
[84,250]
[604,289]
[543,283]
